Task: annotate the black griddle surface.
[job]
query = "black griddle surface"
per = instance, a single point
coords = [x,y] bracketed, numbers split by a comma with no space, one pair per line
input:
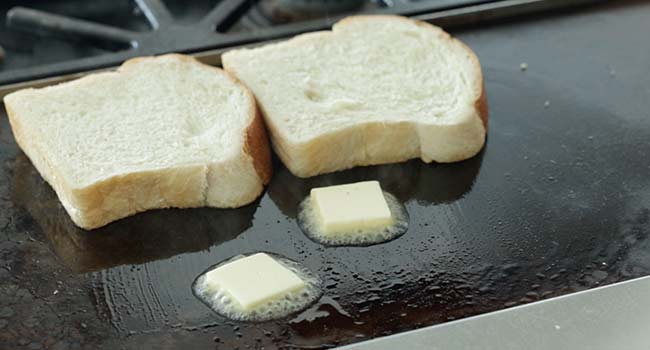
[557,202]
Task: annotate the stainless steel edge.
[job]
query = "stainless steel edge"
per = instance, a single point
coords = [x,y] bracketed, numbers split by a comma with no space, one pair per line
[611,317]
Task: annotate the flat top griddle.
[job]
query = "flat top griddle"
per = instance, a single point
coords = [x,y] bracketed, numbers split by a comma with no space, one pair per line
[557,202]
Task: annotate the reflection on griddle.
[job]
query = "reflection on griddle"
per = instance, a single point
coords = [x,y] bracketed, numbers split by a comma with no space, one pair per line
[412,180]
[555,209]
[147,236]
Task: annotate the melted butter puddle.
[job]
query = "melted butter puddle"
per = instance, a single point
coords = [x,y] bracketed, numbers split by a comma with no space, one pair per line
[309,223]
[220,301]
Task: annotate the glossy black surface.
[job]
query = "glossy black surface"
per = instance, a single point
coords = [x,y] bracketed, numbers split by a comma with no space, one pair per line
[558,201]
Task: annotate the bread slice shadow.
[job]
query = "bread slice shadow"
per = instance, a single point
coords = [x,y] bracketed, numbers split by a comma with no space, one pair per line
[429,184]
[147,236]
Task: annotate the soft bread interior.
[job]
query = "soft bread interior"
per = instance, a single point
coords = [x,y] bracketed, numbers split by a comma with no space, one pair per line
[370,81]
[159,132]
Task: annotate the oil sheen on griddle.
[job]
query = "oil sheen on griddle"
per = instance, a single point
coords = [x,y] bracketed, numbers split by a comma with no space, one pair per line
[309,223]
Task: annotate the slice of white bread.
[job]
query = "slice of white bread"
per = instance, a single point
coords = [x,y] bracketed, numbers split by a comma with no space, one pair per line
[375,89]
[159,132]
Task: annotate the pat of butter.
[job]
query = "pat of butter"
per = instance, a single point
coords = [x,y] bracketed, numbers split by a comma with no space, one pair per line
[254,280]
[347,208]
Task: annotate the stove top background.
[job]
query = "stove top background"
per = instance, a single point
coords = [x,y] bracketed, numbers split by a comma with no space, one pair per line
[51,38]
[590,76]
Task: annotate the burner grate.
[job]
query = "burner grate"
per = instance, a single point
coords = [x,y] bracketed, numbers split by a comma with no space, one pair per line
[229,23]
[165,33]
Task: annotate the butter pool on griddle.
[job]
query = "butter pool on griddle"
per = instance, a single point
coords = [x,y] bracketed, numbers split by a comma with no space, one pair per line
[258,287]
[352,214]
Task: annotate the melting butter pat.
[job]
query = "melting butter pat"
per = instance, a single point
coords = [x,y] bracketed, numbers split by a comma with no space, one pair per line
[254,280]
[351,207]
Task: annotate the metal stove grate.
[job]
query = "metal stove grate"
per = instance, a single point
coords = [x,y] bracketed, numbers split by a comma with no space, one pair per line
[230,23]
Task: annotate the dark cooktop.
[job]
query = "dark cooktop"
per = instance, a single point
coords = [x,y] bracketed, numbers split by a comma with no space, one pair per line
[557,202]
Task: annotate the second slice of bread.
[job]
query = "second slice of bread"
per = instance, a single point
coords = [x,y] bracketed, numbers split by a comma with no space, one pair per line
[159,132]
[375,89]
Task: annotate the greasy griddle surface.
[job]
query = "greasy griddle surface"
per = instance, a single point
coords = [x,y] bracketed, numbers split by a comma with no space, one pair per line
[557,202]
